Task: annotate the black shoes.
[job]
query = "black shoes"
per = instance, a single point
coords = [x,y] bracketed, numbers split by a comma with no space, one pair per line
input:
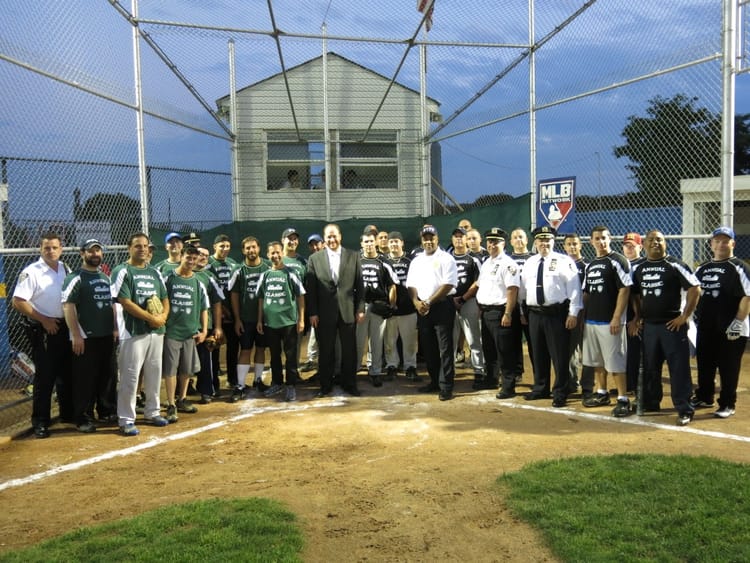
[376,381]
[445,395]
[558,402]
[41,431]
[354,392]
[536,396]
[86,428]
[505,395]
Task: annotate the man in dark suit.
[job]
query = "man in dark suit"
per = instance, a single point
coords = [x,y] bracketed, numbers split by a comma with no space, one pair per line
[335,302]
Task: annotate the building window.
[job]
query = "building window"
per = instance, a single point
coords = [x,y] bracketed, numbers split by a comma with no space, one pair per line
[293,163]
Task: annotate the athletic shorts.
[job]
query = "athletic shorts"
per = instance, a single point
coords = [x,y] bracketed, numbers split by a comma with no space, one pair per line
[250,337]
[180,357]
[602,349]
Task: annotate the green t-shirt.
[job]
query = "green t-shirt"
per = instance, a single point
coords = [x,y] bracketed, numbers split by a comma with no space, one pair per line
[244,281]
[279,290]
[188,298]
[298,266]
[165,267]
[223,270]
[215,294]
[137,284]
[90,292]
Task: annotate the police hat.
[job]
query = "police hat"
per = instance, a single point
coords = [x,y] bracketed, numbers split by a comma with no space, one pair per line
[495,233]
[544,232]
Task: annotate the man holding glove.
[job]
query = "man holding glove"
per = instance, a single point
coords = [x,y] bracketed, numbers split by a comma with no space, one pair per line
[722,321]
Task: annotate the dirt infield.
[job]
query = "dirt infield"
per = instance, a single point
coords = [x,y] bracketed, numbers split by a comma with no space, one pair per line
[393,475]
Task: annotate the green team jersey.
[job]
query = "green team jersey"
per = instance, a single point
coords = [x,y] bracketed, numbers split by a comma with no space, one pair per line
[188,298]
[223,270]
[244,281]
[298,265]
[165,267]
[91,293]
[215,294]
[279,290]
[137,284]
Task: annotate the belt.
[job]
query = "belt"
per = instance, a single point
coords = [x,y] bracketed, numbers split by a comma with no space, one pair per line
[492,307]
[551,309]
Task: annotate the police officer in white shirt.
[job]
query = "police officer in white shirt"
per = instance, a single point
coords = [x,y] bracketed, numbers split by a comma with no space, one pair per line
[553,297]
[38,296]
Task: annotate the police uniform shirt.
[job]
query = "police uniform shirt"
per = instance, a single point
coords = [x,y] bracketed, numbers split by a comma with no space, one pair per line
[400,267]
[91,293]
[430,271]
[560,281]
[279,290]
[467,270]
[723,285]
[377,278]
[244,281]
[660,284]
[41,286]
[495,277]
[605,276]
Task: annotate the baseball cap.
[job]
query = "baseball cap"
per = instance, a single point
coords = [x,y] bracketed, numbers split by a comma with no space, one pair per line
[428,230]
[544,232]
[726,231]
[315,237]
[289,232]
[221,238]
[395,235]
[495,232]
[90,243]
[170,236]
[458,231]
[192,238]
[635,238]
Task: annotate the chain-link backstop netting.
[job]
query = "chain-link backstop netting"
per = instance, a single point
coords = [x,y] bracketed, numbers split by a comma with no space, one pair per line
[626,96]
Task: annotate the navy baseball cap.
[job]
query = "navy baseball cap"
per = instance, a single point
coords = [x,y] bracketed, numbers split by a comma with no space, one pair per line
[91,243]
[428,230]
[170,236]
[289,232]
[726,231]
[315,237]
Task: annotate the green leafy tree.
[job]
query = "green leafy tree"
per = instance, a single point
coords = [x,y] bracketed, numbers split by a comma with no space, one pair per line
[121,211]
[742,144]
[674,141]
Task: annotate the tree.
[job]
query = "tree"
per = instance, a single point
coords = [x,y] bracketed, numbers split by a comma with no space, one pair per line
[676,140]
[742,144]
[121,211]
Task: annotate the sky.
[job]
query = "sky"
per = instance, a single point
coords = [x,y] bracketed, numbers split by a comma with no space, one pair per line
[611,42]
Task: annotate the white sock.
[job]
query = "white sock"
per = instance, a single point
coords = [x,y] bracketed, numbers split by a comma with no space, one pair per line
[259,372]
[242,370]
[602,391]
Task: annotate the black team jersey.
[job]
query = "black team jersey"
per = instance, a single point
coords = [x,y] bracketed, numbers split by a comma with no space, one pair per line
[467,268]
[605,276]
[400,267]
[377,277]
[660,284]
[723,285]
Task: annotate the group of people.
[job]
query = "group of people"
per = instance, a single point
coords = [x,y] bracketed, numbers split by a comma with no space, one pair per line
[170,320]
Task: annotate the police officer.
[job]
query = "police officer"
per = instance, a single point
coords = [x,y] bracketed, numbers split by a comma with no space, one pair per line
[553,299]
[497,294]
[658,283]
[722,323]
[38,296]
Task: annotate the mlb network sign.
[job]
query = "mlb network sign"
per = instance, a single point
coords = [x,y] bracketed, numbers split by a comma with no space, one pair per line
[556,199]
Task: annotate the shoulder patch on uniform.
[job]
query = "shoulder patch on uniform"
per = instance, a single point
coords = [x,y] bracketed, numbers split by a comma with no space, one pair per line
[23,277]
[512,269]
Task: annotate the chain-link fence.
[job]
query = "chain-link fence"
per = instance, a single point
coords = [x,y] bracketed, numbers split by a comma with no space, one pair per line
[103,132]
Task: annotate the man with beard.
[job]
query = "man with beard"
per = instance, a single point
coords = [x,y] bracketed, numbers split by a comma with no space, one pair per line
[244,297]
[89,314]
[658,283]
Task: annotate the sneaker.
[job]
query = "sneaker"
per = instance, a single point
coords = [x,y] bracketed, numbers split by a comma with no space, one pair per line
[291,393]
[597,400]
[183,405]
[724,412]
[622,409]
[460,358]
[238,393]
[140,403]
[205,400]
[698,403]
[445,395]
[172,414]
[86,427]
[129,430]
[390,373]
[683,419]
[519,378]
[505,395]
[411,374]
[191,390]
[376,381]
[157,420]
[274,389]
[309,365]
[260,387]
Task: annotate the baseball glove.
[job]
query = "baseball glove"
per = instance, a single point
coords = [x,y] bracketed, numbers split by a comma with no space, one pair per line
[154,306]
[210,343]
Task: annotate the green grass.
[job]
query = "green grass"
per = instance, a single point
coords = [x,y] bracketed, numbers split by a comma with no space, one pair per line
[212,530]
[636,507]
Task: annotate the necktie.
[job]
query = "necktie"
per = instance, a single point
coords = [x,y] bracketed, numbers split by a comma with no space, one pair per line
[540,283]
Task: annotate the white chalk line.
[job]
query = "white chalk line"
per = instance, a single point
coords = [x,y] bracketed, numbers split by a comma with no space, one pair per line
[253,411]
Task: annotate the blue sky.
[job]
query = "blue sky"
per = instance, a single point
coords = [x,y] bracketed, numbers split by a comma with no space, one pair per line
[611,42]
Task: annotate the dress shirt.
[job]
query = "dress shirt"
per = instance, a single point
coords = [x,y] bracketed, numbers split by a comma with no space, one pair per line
[495,277]
[561,282]
[334,259]
[428,272]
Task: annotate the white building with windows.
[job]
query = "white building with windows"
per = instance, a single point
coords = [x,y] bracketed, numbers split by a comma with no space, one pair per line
[376,157]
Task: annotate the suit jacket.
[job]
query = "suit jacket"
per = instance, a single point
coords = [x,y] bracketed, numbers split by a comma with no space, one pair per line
[327,299]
